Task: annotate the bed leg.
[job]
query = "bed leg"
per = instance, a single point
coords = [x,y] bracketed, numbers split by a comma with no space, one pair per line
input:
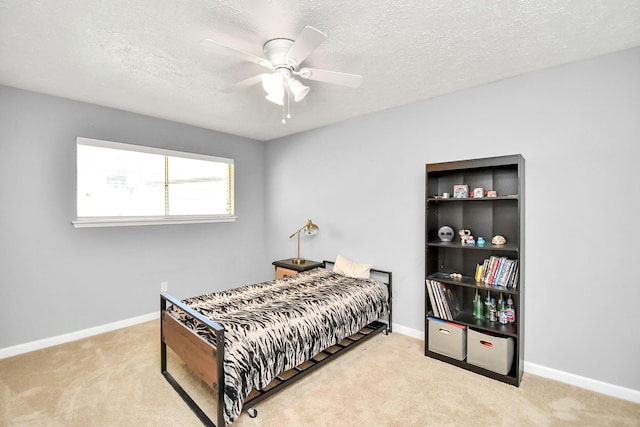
[163,346]
[253,412]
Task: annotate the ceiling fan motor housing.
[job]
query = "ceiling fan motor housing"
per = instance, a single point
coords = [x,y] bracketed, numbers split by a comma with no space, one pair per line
[277,50]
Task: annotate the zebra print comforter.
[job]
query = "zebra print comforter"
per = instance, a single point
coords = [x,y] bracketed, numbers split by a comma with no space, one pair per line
[273,326]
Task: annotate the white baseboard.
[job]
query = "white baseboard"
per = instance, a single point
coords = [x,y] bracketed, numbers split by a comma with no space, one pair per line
[554,374]
[532,368]
[583,382]
[73,336]
[403,330]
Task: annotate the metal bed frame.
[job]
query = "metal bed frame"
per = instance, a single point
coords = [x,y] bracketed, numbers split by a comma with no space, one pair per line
[207,360]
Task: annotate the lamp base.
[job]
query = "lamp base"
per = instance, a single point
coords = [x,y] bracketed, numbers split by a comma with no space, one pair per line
[297,260]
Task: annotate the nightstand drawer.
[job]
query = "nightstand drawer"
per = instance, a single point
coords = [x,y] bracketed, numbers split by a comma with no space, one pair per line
[281,272]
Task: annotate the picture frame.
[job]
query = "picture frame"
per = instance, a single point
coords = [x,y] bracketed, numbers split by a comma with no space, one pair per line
[478,192]
[460,191]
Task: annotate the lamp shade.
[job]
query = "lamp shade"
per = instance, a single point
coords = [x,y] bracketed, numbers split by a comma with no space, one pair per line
[298,89]
[272,83]
[311,229]
[276,98]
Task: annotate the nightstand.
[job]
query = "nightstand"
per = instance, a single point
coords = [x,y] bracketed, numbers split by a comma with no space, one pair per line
[286,267]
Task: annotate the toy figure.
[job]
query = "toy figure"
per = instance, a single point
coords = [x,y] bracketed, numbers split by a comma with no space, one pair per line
[465,236]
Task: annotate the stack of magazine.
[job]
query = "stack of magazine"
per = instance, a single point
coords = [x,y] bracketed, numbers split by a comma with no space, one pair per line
[444,302]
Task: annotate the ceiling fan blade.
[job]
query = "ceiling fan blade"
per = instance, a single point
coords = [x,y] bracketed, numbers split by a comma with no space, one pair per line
[232,51]
[335,77]
[309,39]
[243,84]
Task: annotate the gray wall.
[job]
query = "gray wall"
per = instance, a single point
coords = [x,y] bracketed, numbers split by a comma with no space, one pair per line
[577,126]
[56,279]
[362,181]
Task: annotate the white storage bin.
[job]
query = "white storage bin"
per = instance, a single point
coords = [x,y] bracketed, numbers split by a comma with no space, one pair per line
[447,338]
[490,352]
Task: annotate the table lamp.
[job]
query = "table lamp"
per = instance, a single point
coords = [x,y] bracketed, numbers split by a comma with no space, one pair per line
[310,229]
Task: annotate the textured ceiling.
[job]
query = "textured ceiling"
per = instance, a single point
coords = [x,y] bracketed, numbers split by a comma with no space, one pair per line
[145,56]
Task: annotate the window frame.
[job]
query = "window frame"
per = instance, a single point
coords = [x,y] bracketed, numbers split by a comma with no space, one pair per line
[120,221]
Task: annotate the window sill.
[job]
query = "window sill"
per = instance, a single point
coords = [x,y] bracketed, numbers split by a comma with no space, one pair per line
[135,221]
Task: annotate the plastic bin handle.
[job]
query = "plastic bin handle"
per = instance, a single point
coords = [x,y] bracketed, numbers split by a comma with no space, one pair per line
[486,343]
[444,331]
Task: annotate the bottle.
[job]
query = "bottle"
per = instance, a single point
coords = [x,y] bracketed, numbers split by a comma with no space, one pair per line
[511,312]
[475,304]
[478,309]
[502,314]
[492,310]
[487,305]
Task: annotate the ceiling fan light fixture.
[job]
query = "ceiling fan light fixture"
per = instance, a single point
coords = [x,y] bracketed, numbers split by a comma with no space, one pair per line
[276,98]
[273,83]
[298,90]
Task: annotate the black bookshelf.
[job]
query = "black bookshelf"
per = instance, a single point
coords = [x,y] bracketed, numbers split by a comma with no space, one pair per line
[486,217]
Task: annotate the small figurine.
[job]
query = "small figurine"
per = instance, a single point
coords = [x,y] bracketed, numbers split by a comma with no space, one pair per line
[481,241]
[465,236]
[471,241]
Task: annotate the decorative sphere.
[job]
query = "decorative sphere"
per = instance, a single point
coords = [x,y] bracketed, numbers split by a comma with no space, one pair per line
[498,240]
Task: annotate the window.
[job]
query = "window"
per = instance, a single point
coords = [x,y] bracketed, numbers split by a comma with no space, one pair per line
[122,184]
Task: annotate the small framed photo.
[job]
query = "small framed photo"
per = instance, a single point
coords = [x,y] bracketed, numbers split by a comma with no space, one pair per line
[460,191]
[478,192]
[492,193]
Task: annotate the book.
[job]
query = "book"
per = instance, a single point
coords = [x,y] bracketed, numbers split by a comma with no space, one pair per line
[451,301]
[507,271]
[438,295]
[439,300]
[512,271]
[501,263]
[445,303]
[516,276]
[478,275]
[494,261]
[485,268]
[434,306]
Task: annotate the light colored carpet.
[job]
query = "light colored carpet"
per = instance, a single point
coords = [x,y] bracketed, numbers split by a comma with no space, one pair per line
[114,379]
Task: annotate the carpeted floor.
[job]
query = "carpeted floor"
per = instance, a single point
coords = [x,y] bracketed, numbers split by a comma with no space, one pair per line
[114,379]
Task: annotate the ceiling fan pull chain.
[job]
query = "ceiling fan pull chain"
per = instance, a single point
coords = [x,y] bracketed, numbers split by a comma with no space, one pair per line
[287,95]
[283,120]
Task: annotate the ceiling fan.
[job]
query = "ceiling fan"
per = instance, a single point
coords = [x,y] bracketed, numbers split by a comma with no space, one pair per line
[283,58]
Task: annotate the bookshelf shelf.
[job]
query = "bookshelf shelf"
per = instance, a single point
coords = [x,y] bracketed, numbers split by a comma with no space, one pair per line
[509,247]
[486,217]
[485,325]
[469,282]
[471,199]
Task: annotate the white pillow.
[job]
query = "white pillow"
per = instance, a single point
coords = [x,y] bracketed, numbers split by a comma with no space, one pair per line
[346,267]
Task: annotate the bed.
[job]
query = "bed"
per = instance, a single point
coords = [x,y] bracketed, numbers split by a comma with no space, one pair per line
[249,342]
